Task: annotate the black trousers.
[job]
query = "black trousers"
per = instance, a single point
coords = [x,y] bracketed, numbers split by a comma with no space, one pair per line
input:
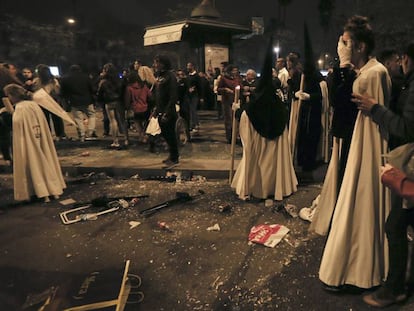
[58,124]
[396,228]
[5,136]
[168,132]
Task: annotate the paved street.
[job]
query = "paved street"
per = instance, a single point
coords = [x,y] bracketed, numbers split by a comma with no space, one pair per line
[201,259]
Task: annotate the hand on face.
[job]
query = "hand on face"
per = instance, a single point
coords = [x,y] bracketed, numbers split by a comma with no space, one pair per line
[344,50]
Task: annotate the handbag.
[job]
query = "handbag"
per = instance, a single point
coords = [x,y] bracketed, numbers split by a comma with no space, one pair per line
[402,158]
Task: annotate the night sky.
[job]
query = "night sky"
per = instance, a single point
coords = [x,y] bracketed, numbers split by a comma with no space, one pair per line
[146,12]
[141,12]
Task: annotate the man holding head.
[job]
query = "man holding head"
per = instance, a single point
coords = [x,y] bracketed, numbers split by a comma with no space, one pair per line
[399,125]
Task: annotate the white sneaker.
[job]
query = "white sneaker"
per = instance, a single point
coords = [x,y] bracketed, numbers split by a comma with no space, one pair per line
[307,213]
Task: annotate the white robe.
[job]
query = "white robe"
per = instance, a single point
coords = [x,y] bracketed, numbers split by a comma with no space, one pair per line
[36,169]
[356,249]
[266,168]
[327,199]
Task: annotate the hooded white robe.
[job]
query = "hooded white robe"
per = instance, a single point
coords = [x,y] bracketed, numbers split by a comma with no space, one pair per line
[327,199]
[36,168]
[266,168]
[356,249]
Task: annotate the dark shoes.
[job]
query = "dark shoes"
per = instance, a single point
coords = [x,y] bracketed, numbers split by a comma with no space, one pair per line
[332,289]
[383,297]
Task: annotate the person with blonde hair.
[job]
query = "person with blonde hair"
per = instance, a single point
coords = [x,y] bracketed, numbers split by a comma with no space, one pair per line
[36,168]
[146,74]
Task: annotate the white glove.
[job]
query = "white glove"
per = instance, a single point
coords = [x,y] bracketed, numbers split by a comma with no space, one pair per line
[344,52]
[235,106]
[302,95]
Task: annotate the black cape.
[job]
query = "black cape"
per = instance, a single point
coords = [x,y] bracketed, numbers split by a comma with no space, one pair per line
[267,113]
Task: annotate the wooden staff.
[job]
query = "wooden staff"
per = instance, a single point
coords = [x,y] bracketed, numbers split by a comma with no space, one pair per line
[294,120]
[234,133]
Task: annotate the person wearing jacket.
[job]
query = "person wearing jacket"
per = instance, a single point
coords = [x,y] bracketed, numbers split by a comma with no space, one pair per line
[399,125]
[136,98]
[5,116]
[165,101]
[77,90]
[109,93]
[226,88]
[400,184]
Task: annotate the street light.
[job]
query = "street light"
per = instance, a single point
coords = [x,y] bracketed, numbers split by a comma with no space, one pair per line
[277,50]
[71,21]
[320,63]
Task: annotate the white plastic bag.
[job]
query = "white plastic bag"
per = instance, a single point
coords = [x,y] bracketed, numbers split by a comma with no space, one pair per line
[153,127]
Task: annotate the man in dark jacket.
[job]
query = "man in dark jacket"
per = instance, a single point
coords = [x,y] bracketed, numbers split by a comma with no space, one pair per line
[77,90]
[399,124]
[165,101]
[193,94]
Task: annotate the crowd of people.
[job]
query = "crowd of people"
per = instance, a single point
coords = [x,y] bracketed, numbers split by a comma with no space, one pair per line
[290,118]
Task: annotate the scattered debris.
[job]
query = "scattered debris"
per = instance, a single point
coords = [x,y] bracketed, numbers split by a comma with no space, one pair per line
[91,177]
[216,284]
[223,208]
[164,226]
[133,224]
[292,210]
[291,241]
[268,235]
[268,203]
[216,227]
[307,213]
[43,298]
[104,200]
[83,216]
[181,197]
[67,201]
[198,178]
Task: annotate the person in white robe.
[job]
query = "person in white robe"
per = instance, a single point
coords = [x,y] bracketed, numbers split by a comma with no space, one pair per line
[36,168]
[342,126]
[266,168]
[356,250]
